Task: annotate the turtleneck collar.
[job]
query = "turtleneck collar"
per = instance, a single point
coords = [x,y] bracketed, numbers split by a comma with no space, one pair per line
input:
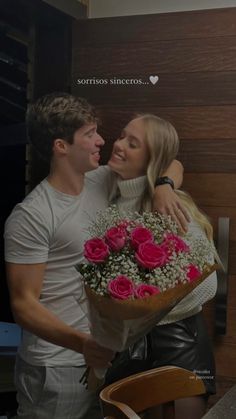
[132,188]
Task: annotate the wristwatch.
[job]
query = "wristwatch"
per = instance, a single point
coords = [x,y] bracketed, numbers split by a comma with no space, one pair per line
[165,180]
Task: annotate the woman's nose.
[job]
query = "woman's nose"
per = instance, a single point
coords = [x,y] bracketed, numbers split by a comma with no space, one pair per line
[119,144]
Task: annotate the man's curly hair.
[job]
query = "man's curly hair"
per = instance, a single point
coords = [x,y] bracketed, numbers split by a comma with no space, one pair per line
[56,115]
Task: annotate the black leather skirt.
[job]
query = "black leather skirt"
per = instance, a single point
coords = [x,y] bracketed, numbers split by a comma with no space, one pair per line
[184,344]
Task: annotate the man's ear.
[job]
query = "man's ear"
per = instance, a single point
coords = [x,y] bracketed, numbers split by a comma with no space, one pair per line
[60,146]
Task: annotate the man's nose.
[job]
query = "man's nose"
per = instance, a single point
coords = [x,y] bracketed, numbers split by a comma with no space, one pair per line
[100,140]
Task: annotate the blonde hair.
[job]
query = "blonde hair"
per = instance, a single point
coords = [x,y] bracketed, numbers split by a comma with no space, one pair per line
[163,145]
[196,214]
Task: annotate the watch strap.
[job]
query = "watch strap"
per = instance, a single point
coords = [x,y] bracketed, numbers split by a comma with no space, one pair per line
[164,180]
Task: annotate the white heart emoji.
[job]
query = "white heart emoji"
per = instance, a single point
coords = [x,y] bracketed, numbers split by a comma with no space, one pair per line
[153,79]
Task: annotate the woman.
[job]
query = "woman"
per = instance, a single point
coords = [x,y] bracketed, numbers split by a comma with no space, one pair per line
[143,152]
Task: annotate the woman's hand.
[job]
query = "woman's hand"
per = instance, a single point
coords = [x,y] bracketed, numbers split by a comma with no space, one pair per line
[167,202]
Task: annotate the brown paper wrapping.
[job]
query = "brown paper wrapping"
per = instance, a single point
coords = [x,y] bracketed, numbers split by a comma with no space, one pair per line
[154,308]
[131,309]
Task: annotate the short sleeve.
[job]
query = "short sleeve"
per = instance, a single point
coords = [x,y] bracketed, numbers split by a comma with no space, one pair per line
[26,236]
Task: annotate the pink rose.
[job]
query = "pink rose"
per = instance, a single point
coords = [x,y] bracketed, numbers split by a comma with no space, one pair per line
[121,287]
[96,250]
[150,255]
[144,290]
[193,273]
[175,243]
[116,238]
[140,235]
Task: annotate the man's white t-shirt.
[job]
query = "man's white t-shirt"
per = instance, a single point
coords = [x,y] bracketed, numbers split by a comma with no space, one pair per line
[51,227]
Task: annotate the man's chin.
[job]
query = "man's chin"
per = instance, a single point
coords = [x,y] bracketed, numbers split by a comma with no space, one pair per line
[93,166]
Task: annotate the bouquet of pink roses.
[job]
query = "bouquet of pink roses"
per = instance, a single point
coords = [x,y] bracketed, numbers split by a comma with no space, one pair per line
[138,269]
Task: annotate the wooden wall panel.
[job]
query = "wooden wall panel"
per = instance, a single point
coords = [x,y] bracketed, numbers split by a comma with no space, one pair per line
[211,189]
[190,55]
[193,54]
[197,156]
[225,355]
[179,89]
[200,24]
[191,122]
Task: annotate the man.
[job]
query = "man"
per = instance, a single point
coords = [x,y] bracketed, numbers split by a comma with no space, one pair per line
[44,239]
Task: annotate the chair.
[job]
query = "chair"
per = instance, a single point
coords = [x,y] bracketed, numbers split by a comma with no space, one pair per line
[136,393]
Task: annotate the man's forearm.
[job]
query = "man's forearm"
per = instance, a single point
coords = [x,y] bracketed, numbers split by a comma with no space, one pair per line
[34,317]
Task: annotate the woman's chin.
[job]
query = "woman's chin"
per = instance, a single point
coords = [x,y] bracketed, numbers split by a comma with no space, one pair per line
[113,166]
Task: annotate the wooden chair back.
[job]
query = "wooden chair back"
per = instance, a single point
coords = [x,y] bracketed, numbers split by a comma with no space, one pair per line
[160,386]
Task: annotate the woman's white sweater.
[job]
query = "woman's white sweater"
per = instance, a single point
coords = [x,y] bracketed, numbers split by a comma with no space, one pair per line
[129,199]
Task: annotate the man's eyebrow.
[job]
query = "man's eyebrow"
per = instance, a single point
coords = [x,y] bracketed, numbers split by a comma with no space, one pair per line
[90,130]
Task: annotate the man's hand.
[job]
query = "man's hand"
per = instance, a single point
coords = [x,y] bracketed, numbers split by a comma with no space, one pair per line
[167,202]
[96,356]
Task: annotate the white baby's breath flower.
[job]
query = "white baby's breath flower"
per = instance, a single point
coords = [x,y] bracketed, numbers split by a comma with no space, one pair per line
[124,262]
